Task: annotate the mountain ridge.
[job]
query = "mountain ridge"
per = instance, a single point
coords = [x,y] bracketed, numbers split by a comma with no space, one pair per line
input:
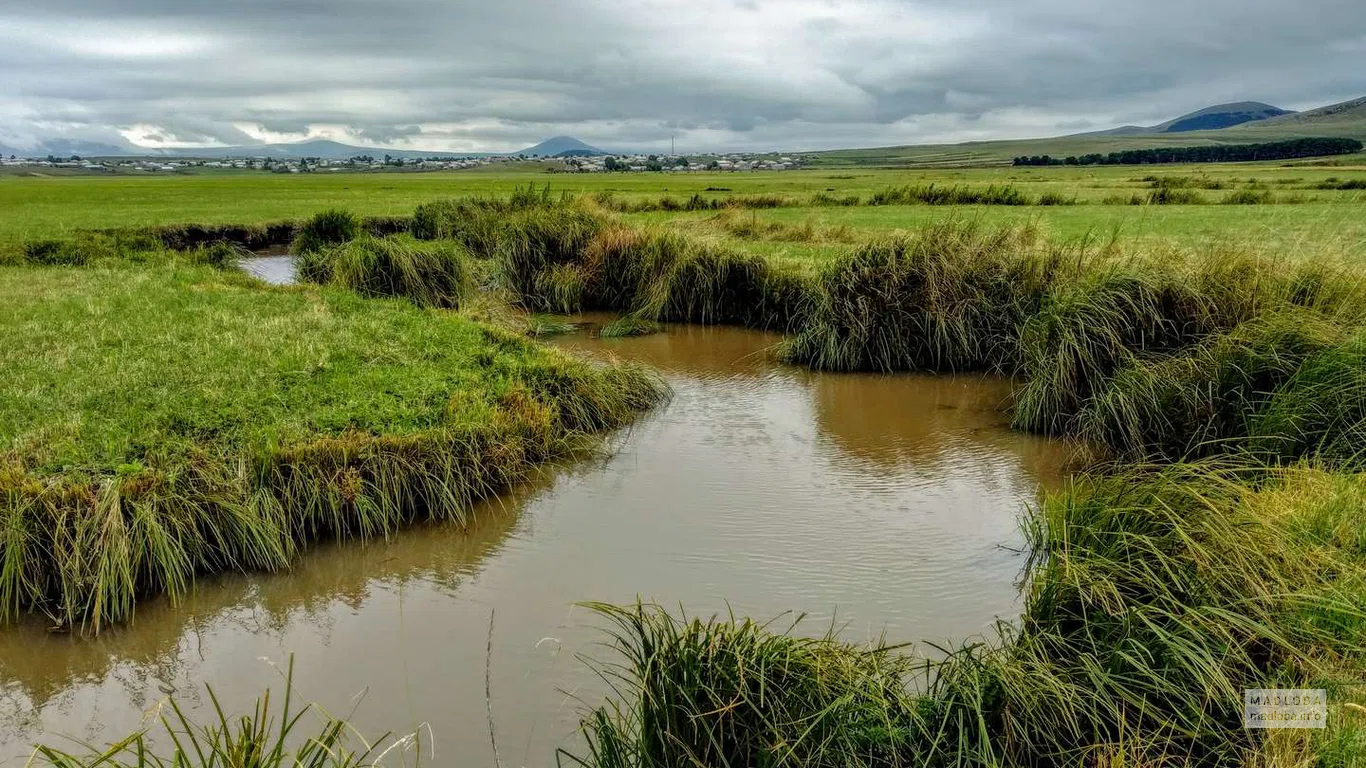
[321,148]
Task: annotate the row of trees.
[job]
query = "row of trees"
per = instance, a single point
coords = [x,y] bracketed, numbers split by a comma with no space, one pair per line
[1225,153]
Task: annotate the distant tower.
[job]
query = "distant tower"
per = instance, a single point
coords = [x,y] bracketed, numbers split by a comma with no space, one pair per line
[671,147]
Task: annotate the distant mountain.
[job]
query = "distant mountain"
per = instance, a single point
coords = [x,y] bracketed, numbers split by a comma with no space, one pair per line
[1221,116]
[1255,123]
[561,146]
[1207,119]
[67,147]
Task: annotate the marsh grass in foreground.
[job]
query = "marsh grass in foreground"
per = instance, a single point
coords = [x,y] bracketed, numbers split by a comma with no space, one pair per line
[170,420]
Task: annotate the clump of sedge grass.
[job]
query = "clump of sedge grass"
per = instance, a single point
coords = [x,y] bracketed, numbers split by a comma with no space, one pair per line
[949,297]
[1132,312]
[932,194]
[429,274]
[328,228]
[736,693]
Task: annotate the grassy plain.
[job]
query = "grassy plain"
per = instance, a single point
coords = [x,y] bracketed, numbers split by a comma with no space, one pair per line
[46,207]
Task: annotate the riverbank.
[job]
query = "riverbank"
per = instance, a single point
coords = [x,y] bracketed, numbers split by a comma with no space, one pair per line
[1158,588]
[169,419]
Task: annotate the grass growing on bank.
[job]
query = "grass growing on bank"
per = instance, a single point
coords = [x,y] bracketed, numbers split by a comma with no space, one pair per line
[428,274]
[169,420]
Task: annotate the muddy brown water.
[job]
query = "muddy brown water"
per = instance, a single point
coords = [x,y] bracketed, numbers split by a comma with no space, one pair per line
[886,504]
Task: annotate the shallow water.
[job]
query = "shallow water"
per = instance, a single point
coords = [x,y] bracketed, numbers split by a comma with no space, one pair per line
[277,269]
[885,504]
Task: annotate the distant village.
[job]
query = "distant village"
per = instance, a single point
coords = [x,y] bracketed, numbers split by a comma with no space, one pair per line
[574,164]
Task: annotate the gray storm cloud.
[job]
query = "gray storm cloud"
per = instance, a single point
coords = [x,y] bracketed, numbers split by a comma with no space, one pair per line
[795,74]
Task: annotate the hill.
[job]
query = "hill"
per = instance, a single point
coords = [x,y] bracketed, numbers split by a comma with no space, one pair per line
[1347,120]
[562,146]
[1221,116]
[565,146]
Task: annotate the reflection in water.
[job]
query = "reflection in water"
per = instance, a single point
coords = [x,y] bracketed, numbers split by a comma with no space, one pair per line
[881,503]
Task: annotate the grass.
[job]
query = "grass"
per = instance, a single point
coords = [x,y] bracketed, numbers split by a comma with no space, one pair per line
[625,327]
[430,274]
[326,229]
[167,420]
[56,207]
[572,258]
[949,298]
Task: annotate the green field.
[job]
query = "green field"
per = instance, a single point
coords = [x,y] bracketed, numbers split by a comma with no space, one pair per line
[1305,217]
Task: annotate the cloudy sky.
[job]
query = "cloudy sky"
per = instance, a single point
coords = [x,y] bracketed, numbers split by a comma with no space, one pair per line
[625,74]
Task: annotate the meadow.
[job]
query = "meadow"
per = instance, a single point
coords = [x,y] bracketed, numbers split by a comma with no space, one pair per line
[1303,216]
[1208,353]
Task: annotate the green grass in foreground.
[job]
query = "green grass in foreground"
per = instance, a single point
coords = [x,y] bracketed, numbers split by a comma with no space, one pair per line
[166,419]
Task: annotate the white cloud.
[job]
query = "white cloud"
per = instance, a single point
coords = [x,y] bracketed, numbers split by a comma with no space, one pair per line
[473,75]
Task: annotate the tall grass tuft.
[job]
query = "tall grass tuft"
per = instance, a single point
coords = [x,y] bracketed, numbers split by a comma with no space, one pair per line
[932,194]
[429,274]
[950,297]
[735,693]
[328,228]
[567,260]
[539,254]
[1141,315]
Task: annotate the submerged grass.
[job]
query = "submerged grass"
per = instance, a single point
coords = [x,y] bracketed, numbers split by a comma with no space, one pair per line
[624,327]
[168,420]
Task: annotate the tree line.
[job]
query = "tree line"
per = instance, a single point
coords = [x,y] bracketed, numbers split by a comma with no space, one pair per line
[1218,153]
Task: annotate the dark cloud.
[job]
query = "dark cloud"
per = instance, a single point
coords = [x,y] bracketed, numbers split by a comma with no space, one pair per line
[470,74]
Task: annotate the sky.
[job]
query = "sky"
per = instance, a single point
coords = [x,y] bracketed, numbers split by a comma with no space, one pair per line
[499,75]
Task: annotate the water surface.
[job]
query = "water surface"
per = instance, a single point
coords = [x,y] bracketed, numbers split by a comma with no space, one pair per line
[276,269]
[882,503]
